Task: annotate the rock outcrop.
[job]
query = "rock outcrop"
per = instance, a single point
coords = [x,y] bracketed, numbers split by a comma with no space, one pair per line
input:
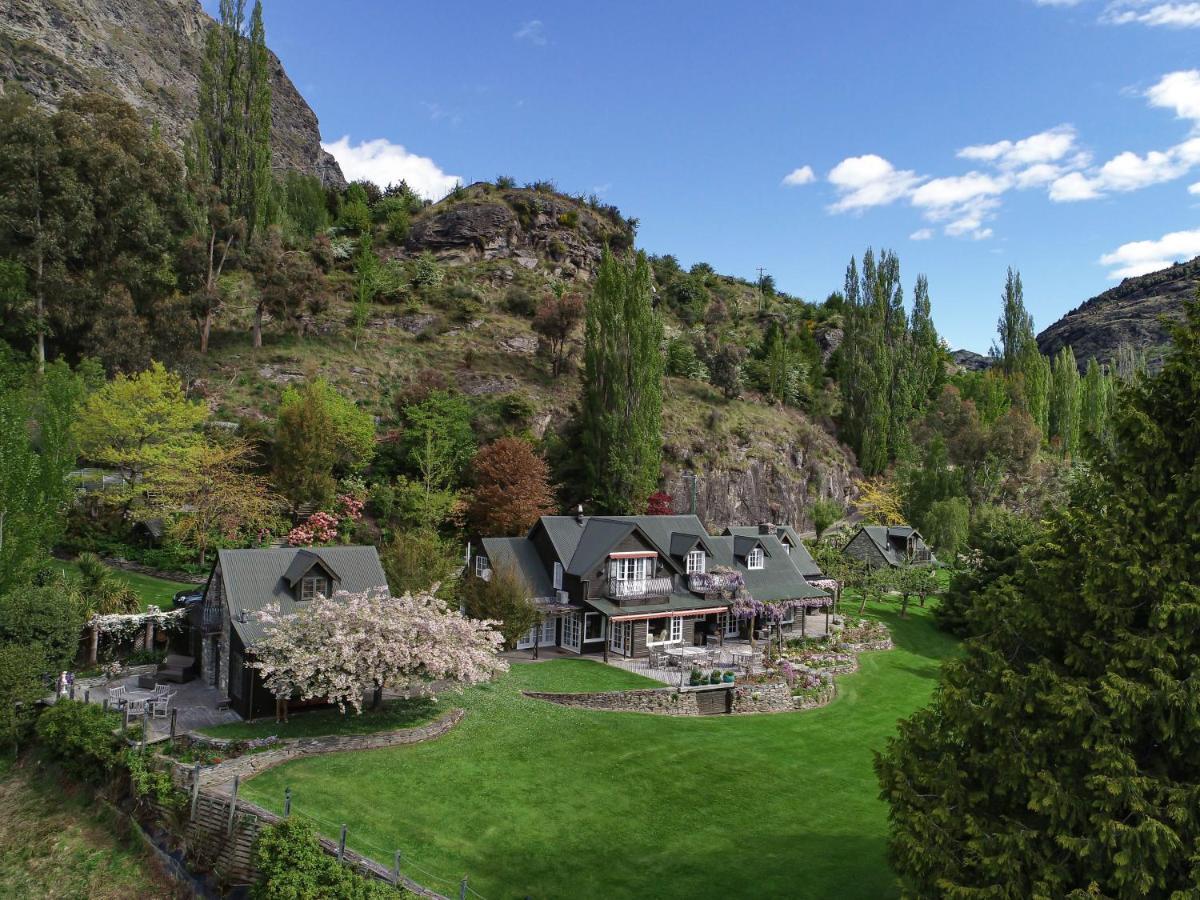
[526,226]
[148,53]
[970,361]
[1137,313]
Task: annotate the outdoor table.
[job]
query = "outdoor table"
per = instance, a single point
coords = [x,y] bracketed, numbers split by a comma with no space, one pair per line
[685,652]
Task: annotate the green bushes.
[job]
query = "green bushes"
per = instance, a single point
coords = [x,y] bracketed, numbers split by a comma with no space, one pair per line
[80,737]
[292,866]
[519,302]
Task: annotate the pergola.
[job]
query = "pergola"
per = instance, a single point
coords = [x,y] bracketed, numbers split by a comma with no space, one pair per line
[550,609]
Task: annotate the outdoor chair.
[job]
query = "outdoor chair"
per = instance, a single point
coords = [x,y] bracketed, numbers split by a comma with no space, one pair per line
[163,690]
[159,707]
[135,705]
[116,696]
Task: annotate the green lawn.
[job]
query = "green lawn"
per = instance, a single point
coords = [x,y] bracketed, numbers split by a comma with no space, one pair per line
[533,799]
[316,723]
[152,590]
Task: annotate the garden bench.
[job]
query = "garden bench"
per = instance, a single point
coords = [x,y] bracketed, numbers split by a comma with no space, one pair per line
[176,668]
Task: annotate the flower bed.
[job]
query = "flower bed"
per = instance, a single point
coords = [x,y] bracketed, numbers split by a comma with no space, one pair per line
[835,662]
[863,635]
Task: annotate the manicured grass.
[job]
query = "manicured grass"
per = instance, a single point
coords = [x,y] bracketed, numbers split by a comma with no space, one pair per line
[533,799]
[156,591]
[319,722]
[56,845]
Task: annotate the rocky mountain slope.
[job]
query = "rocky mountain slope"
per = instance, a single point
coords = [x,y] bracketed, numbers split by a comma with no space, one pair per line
[1135,313]
[146,52]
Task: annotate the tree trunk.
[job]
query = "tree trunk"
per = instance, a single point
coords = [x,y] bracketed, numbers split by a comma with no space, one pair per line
[258,317]
[94,645]
[377,698]
[205,329]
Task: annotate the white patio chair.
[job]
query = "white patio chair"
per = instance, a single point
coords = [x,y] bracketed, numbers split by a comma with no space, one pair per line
[135,705]
[160,707]
[116,696]
[162,690]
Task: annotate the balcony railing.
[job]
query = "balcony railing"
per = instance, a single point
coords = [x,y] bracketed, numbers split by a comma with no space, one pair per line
[641,587]
[715,582]
[921,556]
[210,619]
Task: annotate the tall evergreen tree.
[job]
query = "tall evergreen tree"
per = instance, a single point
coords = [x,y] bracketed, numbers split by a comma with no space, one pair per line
[1095,402]
[621,405]
[1035,382]
[1064,402]
[1015,326]
[1059,755]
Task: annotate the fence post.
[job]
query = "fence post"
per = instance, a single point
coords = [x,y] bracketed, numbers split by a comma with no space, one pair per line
[287,802]
[396,868]
[195,790]
[232,805]
[145,725]
[105,706]
[342,843]
[71,692]
[87,695]
[125,719]
[174,712]
[462,889]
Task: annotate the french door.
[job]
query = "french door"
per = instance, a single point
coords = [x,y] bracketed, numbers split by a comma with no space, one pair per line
[620,637]
[572,637]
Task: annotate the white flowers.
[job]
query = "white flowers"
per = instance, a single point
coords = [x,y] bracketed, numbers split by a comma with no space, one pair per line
[345,647]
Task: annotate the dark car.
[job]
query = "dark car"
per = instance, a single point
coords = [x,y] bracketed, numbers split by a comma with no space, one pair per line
[189,597]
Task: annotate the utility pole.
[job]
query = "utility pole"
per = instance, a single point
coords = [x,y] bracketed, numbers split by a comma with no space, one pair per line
[761,271]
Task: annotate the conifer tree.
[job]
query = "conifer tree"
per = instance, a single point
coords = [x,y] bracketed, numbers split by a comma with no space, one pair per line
[1059,754]
[621,404]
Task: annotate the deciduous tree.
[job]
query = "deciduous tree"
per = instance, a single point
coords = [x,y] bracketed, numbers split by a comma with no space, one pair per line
[556,320]
[512,488]
[504,597]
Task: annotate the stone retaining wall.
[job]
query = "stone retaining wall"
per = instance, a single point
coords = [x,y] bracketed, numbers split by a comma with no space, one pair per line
[885,644]
[772,697]
[254,763]
[665,701]
[822,696]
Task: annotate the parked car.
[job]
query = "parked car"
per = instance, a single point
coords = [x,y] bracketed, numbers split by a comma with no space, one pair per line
[189,597]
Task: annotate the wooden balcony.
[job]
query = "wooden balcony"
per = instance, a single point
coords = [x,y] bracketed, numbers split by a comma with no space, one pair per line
[640,588]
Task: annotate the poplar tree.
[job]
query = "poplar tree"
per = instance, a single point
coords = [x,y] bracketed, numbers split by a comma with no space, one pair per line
[1035,379]
[1058,757]
[229,159]
[1015,326]
[621,404]
[1096,398]
[1064,402]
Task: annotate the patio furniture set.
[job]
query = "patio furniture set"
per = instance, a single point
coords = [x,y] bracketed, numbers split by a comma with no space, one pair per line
[703,657]
[157,701]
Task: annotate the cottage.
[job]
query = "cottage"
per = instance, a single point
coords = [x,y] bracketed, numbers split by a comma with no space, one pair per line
[623,585]
[889,545]
[224,627]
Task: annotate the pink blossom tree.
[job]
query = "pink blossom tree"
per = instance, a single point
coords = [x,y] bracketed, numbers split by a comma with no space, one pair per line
[347,646]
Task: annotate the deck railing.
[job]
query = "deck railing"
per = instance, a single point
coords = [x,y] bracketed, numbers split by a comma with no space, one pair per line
[714,582]
[210,619]
[641,587]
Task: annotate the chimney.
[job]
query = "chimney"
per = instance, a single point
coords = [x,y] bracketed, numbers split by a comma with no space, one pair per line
[579,514]
[766,528]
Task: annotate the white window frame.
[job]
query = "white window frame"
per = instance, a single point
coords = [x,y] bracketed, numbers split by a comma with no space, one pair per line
[673,631]
[695,562]
[636,568]
[572,638]
[756,559]
[728,623]
[676,630]
[620,636]
[309,587]
[483,566]
[603,628]
[558,576]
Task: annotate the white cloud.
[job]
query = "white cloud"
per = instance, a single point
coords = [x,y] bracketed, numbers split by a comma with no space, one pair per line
[1073,186]
[869,180]
[921,234]
[1140,12]
[797,177]
[1140,257]
[952,192]
[1194,189]
[1179,91]
[1044,147]
[1128,171]
[384,163]
[533,31]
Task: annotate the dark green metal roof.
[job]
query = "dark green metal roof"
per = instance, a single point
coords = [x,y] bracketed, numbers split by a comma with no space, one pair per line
[799,554]
[674,603]
[255,578]
[521,555]
[778,580]
[882,537]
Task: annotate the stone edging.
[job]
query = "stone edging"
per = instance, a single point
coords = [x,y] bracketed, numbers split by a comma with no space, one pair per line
[870,646]
[254,763]
[822,697]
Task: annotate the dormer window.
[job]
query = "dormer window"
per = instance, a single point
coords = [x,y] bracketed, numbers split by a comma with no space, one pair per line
[483,568]
[312,585]
[695,562]
[754,559]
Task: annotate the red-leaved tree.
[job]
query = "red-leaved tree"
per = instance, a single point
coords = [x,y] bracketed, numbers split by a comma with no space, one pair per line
[556,319]
[512,488]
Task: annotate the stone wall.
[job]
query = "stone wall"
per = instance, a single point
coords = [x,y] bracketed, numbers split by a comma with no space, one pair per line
[666,701]
[254,763]
[772,697]
[885,644]
[819,696]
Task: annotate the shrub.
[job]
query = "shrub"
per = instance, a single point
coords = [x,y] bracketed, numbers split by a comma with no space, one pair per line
[355,218]
[519,302]
[398,225]
[425,271]
[569,219]
[292,866]
[49,617]
[80,736]
[683,361]
[505,182]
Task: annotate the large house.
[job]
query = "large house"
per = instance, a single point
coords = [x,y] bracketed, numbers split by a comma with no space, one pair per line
[889,545]
[624,584]
[241,583]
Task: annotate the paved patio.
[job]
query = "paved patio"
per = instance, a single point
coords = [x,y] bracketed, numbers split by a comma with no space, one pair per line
[196,702]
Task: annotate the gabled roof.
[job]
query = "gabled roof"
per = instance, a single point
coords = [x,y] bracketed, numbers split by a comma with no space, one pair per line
[302,562]
[521,555]
[581,544]
[683,543]
[255,578]
[887,539]
[779,579]
[744,543]
[799,554]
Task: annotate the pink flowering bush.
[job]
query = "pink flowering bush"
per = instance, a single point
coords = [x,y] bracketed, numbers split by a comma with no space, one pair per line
[319,528]
[345,647]
[350,507]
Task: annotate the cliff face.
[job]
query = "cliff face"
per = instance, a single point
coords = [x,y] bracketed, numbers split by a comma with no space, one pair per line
[1136,312]
[147,52]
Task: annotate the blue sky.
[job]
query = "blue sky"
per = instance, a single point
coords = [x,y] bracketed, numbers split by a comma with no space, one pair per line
[968,135]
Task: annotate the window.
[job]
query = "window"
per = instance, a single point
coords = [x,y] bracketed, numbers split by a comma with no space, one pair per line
[558,573]
[312,585]
[664,630]
[620,637]
[695,561]
[754,559]
[636,569]
[593,627]
[483,568]
[787,548]
[728,623]
[571,632]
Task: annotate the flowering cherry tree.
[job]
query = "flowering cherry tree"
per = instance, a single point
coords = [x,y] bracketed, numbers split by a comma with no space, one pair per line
[322,527]
[347,646]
